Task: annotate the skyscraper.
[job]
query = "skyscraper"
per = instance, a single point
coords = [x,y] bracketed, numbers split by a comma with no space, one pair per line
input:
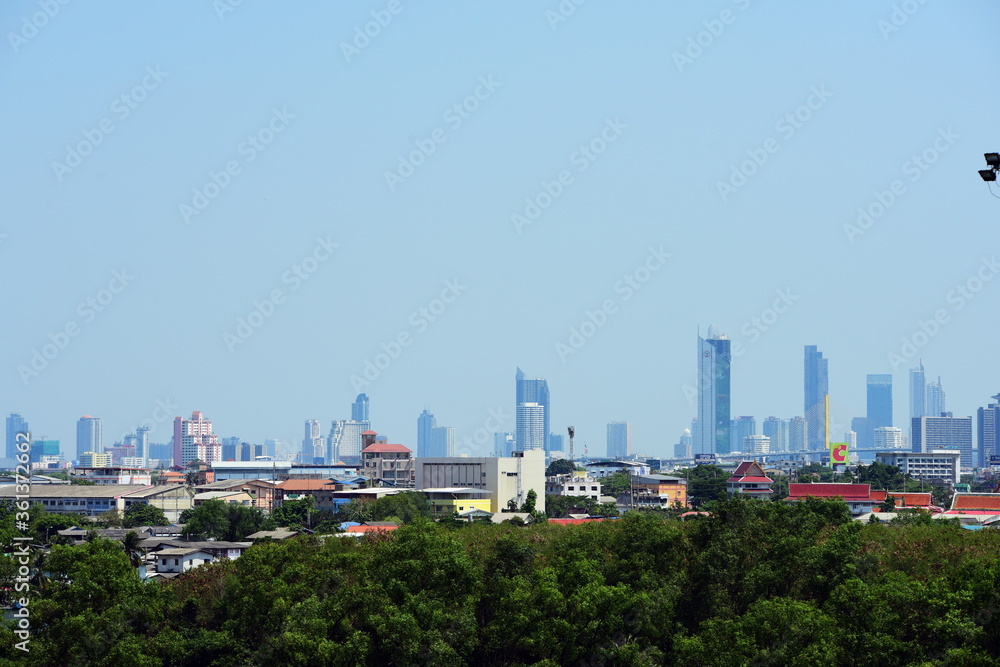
[531,431]
[344,442]
[887,437]
[425,422]
[442,441]
[798,434]
[776,429]
[944,432]
[918,391]
[359,409]
[988,423]
[88,436]
[817,386]
[15,424]
[739,429]
[714,361]
[935,399]
[503,444]
[535,392]
[879,403]
[142,442]
[619,440]
[194,439]
[312,442]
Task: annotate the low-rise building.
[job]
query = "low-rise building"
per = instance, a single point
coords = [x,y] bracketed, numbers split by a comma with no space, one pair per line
[659,491]
[574,484]
[262,492]
[180,559]
[447,501]
[936,466]
[749,480]
[857,496]
[507,478]
[228,497]
[605,468]
[98,499]
[113,475]
[904,500]
[388,464]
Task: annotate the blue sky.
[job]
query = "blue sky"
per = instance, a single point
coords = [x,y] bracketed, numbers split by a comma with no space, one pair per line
[726,143]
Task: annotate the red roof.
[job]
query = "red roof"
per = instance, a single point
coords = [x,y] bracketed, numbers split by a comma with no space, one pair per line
[371,529]
[750,472]
[573,522]
[976,501]
[369,432]
[380,448]
[852,492]
[904,499]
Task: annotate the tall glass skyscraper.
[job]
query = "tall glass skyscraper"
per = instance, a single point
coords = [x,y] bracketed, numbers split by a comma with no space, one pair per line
[619,440]
[442,441]
[879,401]
[776,429]
[918,392]
[714,360]
[530,426]
[88,436]
[988,421]
[536,393]
[15,424]
[935,399]
[816,386]
[425,423]
[359,409]
[739,429]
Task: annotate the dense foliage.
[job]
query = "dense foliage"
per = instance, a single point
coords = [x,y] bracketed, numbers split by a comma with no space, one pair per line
[755,584]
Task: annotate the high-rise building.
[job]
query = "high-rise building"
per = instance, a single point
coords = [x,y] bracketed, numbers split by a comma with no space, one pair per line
[776,429]
[425,422]
[442,442]
[503,444]
[194,439]
[935,399]
[231,449]
[756,444]
[798,434]
[918,391]
[142,442]
[313,447]
[944,432]
[88,435]
[865,433]
[359,409]
[887,437]
[817,386]
[94,460]
[530,426]
[988,422]
[556,443]
[344,442]
[535,392]
[619,440]
[42,448]
[739,429]
[15,424]
[879,400]
[851,438]
[714,361]
[683,449]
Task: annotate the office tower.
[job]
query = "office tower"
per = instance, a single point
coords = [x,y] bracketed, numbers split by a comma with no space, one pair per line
[851,438]
[535,392]
[312,443]
[425,422]
[15,424]
[935,399]
[683,449]
[879,400]
[250,452]
[442,442]
[88,435]
[231,449]
[918,392]
[776,429]
[988,422]
[619,440]
[798,434]
[944,432]
[359,409]
[739,429]
[503,444]
[142,442]
[817,386]
[556,443]
[865,433]
[94,460]
[530,432]
[714,361]
[194,439]
[40,448]
[887,437]
[344,443]
[756,444]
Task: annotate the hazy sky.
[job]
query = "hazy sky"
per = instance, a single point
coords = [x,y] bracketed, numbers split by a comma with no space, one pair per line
[467,182]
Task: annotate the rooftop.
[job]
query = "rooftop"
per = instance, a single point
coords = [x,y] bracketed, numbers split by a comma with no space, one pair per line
[384,448]
[849,492]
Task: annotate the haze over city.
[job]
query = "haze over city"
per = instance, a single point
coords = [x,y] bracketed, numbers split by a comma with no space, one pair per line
[259,213]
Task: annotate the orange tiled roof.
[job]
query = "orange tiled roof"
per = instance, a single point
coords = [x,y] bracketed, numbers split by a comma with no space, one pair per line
[976,501]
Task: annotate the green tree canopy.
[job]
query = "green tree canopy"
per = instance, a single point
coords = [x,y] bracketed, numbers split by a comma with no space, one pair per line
[142,514]
[560,467]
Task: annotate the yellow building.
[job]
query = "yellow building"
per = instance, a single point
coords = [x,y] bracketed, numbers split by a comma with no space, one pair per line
[446,501]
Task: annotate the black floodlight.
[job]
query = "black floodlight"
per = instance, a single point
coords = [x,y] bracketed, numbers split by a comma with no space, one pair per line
[988,175]
[993,160]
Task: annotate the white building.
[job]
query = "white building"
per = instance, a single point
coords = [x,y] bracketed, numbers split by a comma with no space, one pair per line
[180,559]
[313,446]
[344,441]
[194,439]
[506,478]
[939,465]
[757,444]
[888,437]
[113,475]
[578,484]
[530,426]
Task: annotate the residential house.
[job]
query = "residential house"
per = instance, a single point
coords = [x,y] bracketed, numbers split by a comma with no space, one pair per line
[750,480]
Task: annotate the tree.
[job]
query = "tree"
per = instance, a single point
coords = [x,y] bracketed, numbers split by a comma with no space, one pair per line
[294,513]
[705,483]
[529,502]
[888,505]
[616,484]
[560,467]
[224,521]
[142,514]
[131,544]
